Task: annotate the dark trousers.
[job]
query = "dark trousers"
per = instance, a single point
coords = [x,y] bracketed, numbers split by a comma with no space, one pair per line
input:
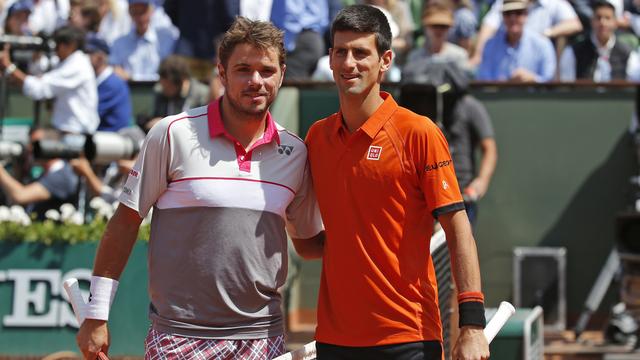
[421,350]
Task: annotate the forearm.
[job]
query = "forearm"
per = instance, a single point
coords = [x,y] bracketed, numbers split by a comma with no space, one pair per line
[94,183]
[564,28]
[485,33]
[117,242]
[489,159]
[11,186]
[463,252]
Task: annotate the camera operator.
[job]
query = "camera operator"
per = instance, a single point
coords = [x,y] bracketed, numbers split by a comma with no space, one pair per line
[28,59]
[57,185]
[72,83]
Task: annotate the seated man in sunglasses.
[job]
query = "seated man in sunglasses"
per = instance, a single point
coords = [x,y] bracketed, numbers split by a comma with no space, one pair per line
[516,53]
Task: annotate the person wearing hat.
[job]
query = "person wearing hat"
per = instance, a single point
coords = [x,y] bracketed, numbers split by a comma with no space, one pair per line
[437,19]
[516,53]
[17,22]
[114,103]
[137,55]
[550,18]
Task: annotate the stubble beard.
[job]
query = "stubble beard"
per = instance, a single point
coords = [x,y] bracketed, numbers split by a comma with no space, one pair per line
[257,114]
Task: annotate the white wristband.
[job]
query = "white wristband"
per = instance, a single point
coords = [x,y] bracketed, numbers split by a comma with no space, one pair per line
[10,69]
[101,295]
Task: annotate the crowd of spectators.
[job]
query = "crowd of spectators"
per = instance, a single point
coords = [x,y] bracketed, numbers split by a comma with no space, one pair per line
[101,45]
[497,40]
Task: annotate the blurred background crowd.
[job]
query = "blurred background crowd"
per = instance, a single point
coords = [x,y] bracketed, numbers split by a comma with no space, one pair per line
[84,54]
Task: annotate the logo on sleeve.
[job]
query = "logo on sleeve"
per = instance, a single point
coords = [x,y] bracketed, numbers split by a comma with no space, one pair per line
[436,165]
[374,152]
[134,173]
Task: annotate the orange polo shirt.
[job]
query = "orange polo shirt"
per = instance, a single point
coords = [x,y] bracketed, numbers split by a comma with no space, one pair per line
[379,189]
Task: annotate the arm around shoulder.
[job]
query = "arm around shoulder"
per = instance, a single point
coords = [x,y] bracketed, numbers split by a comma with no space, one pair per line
[311,248]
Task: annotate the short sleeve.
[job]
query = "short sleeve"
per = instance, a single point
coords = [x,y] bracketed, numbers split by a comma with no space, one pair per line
[436,172]
[148,179]
[479,118]
[303,214]
[61,183]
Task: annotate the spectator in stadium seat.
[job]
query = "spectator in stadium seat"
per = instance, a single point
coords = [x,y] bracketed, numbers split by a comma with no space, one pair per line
[177,91]
[114,101]
[137,55]
[437,20]
[550,18]
[304,23]
[200,23]
[465,25]
[517,53]
[600,57]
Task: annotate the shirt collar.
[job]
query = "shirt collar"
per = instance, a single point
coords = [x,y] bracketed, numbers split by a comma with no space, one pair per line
[606,49]
[104,75]
[149,36]
[372,126]
[216,126]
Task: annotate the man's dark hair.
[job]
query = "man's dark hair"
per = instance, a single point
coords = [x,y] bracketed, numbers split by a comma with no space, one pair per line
[69,35]
[364,19]
[602,3]
[175,69]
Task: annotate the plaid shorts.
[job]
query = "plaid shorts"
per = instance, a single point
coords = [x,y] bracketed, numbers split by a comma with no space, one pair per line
[161,346]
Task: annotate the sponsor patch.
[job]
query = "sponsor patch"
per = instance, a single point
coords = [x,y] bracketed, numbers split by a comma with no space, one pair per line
[126,190]
[374,152]
[134,173]
[436,165]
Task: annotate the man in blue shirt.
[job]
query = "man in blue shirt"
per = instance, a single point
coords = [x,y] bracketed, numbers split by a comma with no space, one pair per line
[304,23]
[516,54]
[138,54]
[114,102]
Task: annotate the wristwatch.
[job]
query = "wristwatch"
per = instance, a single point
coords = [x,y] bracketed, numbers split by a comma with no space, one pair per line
[10,69]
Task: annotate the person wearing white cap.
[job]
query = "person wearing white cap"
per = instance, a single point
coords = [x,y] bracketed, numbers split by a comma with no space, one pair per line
[516,53]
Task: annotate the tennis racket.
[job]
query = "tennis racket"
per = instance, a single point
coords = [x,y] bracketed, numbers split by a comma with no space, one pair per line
[77,303]
[504,312]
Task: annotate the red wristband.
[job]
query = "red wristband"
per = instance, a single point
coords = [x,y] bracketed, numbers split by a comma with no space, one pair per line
[467,296]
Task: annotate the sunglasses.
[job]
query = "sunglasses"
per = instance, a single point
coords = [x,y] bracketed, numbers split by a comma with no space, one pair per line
[439,26]
[514,12]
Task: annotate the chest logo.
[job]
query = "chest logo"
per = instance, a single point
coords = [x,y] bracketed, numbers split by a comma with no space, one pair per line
[285,149]
[374,152]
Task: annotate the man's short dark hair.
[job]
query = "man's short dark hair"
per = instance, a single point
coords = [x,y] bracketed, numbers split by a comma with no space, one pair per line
[68,34]
[364,19]
[174,69]
[597,4]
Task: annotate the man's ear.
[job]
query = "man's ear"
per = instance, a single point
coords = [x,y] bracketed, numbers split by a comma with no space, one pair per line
[222,74]
[387,60]
[284,70]
[331,58]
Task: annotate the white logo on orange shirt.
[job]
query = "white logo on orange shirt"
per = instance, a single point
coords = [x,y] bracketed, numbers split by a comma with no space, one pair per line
[374,152]
[445,185]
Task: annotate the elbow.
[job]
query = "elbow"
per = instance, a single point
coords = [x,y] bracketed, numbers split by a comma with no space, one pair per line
[312,248]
